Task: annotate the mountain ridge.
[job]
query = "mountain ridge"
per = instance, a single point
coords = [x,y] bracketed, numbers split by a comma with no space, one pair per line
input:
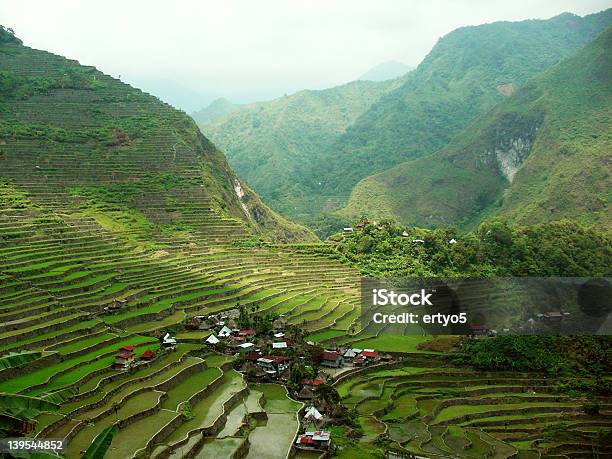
[542,154]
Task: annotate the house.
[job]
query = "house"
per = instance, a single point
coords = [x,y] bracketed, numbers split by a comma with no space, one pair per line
[313,413]
[281,345]
[452,241]
[225,332]
[279,335]
[168,341]
[273,363]
[306,393]
[245,347]
[116,305]
[552,316]
[129,350]
[279,324]
[212,340]
[370,355]
[348,230]
[247,333]
[350,354]
[313,382]
[331,359]
[252,356]
[122,361]
[147,355]
[318,440]
[479,330]
[419,241]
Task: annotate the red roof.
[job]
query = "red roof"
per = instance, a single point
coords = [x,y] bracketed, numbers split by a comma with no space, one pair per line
[122,356]
[127,348]
[329,355]
[305,439]
[312,382]
[369,354]
[148,354]
[246,332]
[252,355]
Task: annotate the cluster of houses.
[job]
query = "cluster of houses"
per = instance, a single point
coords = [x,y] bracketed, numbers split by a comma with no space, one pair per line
[354,356]
[250,344]
[126,357]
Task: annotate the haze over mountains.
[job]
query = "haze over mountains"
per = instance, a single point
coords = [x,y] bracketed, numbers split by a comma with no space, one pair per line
[386,71]
[305,170]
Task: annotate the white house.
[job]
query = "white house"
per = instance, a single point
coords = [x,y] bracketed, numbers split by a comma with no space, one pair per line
[212,339]
[225,332]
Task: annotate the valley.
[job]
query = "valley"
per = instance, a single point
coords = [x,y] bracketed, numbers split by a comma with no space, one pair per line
[153,305]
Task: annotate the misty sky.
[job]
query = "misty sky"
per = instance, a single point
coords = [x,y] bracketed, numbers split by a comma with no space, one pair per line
[250,50]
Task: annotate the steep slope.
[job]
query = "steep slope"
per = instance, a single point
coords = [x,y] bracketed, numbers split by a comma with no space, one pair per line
[304,156]
[217,108]
[386,71]
[271,144]
[119,223]
[543,154]
[71,133]
[466,73]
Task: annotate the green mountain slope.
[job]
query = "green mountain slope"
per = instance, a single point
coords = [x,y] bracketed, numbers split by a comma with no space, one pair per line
[468,71]
[217,108]
[271,144]
[304,154]
[70,132]
[542,154]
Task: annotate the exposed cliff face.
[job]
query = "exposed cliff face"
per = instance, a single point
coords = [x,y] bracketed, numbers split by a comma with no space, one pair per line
[510,159]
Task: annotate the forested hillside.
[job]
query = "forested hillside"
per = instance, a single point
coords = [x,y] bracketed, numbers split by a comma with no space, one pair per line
[469,71]
[272,144]
[543,154]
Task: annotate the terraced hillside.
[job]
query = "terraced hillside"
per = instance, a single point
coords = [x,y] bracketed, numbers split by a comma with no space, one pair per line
[428,408]
[109,197]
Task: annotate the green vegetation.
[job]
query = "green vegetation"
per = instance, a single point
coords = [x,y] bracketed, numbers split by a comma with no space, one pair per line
[271,144]
[556,355]
[562,248]
[305,159]
[535,157]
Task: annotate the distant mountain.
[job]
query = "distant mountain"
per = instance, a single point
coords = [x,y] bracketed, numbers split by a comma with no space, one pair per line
[305,153]
[386,71]
[217,108]
[173,93]
[271,144]
[542,154]
[466,73]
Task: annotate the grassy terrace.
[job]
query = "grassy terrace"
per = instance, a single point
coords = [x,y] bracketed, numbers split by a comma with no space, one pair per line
[273,439]
[447,412]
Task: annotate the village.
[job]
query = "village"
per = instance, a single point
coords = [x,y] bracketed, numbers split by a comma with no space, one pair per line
[269,350]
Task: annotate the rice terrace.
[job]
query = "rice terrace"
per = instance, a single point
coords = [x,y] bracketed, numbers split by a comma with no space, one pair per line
[153,306]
